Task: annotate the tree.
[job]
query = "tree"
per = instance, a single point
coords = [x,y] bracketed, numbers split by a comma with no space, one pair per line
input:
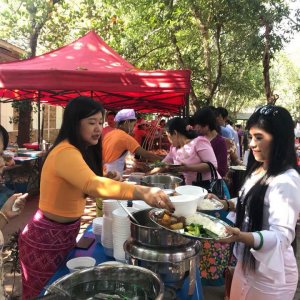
[31,16]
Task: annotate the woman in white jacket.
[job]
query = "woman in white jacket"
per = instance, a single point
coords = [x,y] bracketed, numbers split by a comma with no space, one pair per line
[267,211]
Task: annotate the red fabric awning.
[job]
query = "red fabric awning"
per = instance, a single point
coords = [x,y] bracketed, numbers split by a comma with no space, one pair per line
[90,67]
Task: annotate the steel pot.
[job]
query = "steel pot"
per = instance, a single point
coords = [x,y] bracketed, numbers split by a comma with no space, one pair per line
[151,235]
[103,282]
[172,264]
[162,181]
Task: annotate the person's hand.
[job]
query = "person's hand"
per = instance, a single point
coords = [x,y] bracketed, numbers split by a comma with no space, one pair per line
[213,196]
[234,233]
[114,175]
[153,196]
[9,209]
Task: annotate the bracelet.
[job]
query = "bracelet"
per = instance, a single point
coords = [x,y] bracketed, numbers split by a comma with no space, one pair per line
[4,216]
[261,241]
[228,206]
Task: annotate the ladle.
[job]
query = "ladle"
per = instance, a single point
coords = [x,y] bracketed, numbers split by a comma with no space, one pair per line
[128,212]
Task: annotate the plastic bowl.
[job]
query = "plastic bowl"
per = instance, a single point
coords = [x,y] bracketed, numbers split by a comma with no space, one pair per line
[198,191]
[185,205]
[79,263]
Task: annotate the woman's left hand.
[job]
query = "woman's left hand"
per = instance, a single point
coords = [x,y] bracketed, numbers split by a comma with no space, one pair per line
[14,205]
[234,233]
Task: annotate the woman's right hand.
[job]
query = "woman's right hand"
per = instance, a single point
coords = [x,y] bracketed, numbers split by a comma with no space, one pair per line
[153,196]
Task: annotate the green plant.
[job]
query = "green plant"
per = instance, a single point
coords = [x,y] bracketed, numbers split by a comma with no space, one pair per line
[12,258]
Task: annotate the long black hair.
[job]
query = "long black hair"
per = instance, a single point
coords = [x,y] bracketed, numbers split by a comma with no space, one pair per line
[180,125]
[5,137]
[278,122]
[206,116]
[77,109]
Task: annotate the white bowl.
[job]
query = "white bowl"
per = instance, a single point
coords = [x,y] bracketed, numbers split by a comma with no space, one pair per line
[79,263]
[185,205]
[198,191]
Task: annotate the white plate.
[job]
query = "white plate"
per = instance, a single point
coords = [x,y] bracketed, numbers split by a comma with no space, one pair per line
[209,204]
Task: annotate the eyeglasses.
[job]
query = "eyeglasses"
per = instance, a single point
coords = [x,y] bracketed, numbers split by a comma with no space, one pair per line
[268,110]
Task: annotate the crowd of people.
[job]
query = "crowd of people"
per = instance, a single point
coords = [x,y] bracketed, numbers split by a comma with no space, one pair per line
[88,160]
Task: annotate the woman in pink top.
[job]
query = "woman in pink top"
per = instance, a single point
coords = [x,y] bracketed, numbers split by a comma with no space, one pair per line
[189,151]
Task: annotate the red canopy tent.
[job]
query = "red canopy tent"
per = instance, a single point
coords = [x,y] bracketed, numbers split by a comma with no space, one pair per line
[90,67]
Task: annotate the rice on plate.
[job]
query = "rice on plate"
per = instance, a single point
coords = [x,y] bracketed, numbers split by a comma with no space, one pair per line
[207,223]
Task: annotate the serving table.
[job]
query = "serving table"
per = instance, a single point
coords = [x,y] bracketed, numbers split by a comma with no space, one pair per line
[96,251]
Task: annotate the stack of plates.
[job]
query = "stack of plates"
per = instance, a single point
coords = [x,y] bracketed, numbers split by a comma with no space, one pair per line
[107,236]
[97,228]
[121,232]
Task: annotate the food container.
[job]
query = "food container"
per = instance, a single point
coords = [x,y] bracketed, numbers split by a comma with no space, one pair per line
[79,263]
[106,281]
[151,235]
[172,264]
[185,205]
[162,181]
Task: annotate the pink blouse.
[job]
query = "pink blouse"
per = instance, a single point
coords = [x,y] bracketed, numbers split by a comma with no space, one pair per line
[196,151]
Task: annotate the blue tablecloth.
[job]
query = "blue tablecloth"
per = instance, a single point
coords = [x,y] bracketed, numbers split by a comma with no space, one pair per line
[96,251]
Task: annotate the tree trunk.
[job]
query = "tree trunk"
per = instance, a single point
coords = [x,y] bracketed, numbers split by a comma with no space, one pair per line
[24,124]
[266,62]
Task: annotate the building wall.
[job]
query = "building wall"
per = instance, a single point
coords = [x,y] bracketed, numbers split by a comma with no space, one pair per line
[52,122]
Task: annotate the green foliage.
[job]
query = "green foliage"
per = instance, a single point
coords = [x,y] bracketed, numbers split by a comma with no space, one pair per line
[220,41]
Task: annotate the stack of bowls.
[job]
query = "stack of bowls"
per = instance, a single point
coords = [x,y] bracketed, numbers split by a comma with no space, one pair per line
[107,237]
[97,228]
[120,231]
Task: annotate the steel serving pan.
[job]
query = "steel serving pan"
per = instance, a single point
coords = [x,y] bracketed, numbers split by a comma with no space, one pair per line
[152,235]
[156,213]
[162,181]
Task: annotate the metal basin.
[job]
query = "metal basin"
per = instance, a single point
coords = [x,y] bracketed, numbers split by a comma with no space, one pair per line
[103,282]
[151,235]
[161,181]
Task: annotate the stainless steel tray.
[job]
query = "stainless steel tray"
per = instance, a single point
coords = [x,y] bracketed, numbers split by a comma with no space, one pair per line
[156,213]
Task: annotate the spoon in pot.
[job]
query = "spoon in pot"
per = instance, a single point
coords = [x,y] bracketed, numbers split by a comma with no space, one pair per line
[128,212]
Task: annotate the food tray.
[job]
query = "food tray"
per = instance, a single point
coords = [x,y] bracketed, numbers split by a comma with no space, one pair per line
[156,213]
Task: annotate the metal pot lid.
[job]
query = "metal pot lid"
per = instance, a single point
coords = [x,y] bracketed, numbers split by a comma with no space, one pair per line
[171,255]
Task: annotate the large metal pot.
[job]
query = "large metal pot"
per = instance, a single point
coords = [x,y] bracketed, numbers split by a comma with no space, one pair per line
[172,264]
[161,181]
[103,282]
[151,235]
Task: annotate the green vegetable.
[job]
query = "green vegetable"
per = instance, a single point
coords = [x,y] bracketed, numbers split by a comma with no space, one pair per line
[198,230]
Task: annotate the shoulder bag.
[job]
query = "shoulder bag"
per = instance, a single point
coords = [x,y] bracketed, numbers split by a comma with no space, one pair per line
[213,185]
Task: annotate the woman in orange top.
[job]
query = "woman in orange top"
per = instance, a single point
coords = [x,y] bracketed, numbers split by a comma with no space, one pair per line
[72,170]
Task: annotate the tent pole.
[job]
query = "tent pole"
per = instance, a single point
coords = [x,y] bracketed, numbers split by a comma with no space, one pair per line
[39,119]
[187,106]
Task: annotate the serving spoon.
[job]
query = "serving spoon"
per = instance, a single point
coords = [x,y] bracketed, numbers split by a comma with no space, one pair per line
[128,212]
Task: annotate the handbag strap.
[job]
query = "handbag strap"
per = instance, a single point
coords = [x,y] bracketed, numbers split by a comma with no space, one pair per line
[213,171]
